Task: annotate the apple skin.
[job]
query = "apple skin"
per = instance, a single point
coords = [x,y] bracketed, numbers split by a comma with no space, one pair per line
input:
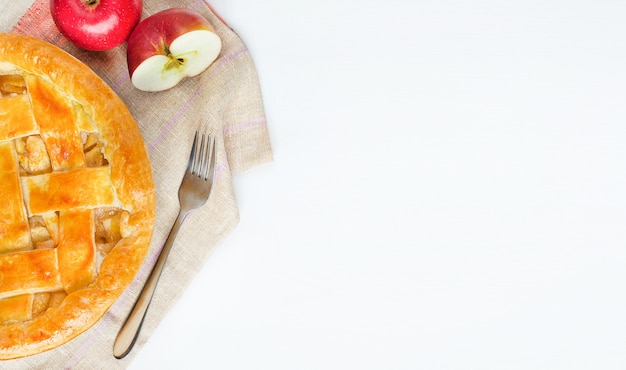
[96,25]
[155,36]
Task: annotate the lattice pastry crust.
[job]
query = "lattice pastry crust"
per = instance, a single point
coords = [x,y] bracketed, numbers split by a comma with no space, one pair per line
[77,192]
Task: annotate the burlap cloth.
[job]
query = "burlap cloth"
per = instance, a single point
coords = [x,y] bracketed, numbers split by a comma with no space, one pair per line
[225,99]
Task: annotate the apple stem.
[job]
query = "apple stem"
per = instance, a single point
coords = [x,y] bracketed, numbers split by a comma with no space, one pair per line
[91,2]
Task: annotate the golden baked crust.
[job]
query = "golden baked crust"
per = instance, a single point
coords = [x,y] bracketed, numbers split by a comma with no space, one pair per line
[77,185]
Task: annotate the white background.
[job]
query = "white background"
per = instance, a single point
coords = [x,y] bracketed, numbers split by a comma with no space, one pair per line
[448,192]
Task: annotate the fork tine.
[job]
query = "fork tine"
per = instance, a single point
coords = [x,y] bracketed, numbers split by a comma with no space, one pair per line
[192,155]
[209,166]
[201,162]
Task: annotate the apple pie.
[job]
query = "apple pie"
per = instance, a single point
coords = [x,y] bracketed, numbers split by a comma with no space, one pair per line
[78,201]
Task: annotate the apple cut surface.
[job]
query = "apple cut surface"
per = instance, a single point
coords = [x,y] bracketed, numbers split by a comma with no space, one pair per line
[190,54]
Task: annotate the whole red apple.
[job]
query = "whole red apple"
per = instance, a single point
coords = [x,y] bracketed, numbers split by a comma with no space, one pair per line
[96,24]
[168,46]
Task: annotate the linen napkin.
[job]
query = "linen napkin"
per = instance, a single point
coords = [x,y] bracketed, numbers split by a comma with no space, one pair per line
[226,100]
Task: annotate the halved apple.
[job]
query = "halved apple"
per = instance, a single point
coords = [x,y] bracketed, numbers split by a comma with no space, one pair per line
[168,46]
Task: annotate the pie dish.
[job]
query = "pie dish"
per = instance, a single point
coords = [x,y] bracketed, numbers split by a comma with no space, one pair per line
[78,197]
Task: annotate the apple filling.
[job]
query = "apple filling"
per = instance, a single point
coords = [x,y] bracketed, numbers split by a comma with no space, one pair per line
[94,150]
[45,301]
[110,227]
[32,155]
[44,230]
[12,84]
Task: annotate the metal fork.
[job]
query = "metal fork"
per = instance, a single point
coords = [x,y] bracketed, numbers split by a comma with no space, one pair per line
[194,191]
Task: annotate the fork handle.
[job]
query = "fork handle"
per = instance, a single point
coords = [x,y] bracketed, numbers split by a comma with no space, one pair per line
[129,332]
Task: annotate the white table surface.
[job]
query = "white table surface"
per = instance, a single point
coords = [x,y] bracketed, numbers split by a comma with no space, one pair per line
[448,192]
